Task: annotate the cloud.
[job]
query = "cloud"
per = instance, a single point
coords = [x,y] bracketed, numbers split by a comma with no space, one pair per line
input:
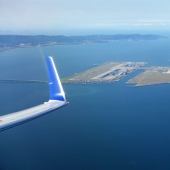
[61,14]
[132,24]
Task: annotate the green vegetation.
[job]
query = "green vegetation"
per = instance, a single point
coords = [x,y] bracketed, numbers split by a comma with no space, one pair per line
[22,41]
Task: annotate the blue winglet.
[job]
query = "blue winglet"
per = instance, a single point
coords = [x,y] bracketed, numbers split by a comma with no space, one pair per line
[55,87]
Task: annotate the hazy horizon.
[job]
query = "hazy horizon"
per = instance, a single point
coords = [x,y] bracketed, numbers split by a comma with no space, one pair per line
[85,17]
[86,32]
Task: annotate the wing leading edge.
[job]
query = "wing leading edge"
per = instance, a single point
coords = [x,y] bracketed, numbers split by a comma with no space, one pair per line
[57,100]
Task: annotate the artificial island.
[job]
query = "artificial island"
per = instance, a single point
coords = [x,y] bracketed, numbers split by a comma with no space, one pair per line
[115,71]
[107,72]
[152,75]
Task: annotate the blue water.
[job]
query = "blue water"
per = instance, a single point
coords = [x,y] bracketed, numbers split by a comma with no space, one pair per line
[106,126]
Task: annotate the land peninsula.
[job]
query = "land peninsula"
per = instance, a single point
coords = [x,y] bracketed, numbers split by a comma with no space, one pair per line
[22,41]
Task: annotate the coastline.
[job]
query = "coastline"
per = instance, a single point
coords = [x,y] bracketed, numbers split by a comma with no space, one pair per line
[8,42]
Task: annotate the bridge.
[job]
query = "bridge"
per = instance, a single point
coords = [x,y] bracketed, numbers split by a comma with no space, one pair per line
[21,81]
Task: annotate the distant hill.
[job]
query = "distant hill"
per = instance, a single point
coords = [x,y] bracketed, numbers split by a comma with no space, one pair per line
[22,41]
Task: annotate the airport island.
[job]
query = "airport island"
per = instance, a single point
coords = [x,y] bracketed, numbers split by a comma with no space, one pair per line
[152,75]
[115,71]
[105,73]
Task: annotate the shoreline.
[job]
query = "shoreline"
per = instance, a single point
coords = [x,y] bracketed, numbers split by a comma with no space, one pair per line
[8,42]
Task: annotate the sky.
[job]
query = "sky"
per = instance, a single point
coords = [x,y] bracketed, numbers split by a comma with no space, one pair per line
[59,16]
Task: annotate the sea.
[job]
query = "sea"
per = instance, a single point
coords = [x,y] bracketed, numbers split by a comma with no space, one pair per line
[106,126]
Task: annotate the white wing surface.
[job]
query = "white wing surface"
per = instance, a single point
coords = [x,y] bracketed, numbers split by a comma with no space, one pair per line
[57,100]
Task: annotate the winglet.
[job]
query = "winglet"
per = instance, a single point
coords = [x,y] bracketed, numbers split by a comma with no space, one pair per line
[55,87]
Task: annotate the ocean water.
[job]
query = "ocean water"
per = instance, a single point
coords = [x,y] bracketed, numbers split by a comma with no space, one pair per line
[105,126]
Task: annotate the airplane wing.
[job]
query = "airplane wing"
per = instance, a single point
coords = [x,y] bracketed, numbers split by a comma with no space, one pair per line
[56,101]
